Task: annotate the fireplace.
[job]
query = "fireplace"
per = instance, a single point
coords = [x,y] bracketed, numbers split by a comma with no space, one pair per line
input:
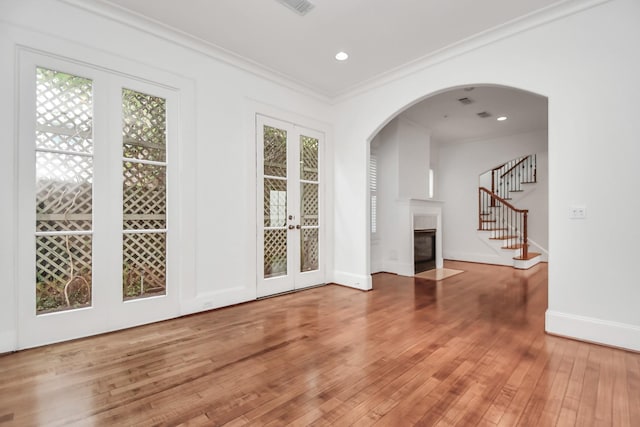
[424,250]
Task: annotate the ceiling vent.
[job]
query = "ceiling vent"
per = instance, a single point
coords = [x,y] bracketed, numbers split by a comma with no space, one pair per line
[301,7]
[465,101]
[484,114]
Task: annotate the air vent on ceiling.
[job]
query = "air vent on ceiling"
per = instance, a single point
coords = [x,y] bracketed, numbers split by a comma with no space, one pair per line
[484,114]
[465,101]
[301,7]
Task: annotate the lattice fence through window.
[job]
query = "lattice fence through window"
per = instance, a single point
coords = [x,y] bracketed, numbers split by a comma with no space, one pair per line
[64,190]
[309,203]
[275,253]
[144,194]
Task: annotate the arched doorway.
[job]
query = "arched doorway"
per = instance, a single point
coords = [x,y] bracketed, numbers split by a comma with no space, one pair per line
[427,158]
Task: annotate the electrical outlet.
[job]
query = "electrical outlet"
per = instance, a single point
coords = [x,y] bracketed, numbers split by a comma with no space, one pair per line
[577,212]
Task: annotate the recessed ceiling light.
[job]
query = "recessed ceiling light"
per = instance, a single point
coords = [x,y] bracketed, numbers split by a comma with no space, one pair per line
[342,56]
[501,118]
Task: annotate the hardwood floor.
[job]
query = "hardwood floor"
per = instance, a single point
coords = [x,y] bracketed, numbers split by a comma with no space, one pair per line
[469,350]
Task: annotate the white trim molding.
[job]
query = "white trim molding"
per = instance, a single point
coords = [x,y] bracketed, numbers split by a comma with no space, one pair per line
[170,34]
[8,341]
[593,330]
[356,281]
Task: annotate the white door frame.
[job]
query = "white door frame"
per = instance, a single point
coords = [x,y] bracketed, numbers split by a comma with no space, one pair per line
[294,279]
[108,311]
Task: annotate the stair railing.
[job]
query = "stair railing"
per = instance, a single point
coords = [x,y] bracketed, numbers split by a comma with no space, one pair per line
[510,176]
[507,222]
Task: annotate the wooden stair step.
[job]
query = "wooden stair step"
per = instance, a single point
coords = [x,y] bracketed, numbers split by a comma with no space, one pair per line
[503,238]
[516,246]
[530,255]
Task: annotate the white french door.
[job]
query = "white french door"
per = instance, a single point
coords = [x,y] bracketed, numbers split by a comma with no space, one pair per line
[95,173]
[290,206]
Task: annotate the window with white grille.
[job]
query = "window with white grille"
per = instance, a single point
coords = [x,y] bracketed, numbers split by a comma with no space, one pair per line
[373,191]
[65,159]
[144,194]
[64,190]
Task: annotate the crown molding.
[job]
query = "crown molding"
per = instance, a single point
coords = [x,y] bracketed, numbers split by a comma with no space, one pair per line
[518,25]
[170,34]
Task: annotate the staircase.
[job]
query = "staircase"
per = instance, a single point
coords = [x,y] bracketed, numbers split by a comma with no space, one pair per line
[503,224]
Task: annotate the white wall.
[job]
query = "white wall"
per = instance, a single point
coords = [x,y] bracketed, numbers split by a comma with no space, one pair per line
[403,153]
[461,164]
[587,64]
[218,103]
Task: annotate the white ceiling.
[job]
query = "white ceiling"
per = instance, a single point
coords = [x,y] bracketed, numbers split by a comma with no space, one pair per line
[380,35]
[449,120]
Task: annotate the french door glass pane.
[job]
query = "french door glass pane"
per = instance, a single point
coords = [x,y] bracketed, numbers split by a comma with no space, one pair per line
[64,197]
[275,202]
[309,203]
[275,152]
[308,158]
[64,190]
[309,249]
[63,272]
[144,270]
[144,193]
[144,126]
[275,253]
[309,208]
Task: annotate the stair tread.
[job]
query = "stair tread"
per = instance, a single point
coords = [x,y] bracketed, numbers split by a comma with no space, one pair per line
[516,246]
[530,255]
[503,238]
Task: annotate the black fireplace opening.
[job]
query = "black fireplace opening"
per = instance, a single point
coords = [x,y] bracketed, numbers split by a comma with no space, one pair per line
[424,250]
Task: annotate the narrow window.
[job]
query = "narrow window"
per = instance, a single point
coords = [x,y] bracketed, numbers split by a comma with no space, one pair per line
[144,193]
[309,203]
[373,191]
[64,191]
[431,186]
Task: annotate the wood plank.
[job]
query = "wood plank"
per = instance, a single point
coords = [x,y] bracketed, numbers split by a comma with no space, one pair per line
[467,351]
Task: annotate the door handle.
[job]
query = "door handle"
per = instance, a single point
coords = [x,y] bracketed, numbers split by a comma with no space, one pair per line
[291,227]
[298,226]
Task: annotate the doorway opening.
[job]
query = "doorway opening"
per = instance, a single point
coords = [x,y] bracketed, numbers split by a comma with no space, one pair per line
[429,157]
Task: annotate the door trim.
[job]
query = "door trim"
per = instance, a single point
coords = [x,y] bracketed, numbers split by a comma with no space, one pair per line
[294,279]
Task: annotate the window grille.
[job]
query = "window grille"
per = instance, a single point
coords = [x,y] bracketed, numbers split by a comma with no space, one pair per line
[373,190]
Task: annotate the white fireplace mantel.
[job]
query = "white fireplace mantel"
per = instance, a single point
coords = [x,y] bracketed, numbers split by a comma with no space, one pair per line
[427,214]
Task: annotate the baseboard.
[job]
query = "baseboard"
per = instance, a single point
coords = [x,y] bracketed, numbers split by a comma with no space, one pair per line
[357,281]
[8,341]
[217,299]
[589,329]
